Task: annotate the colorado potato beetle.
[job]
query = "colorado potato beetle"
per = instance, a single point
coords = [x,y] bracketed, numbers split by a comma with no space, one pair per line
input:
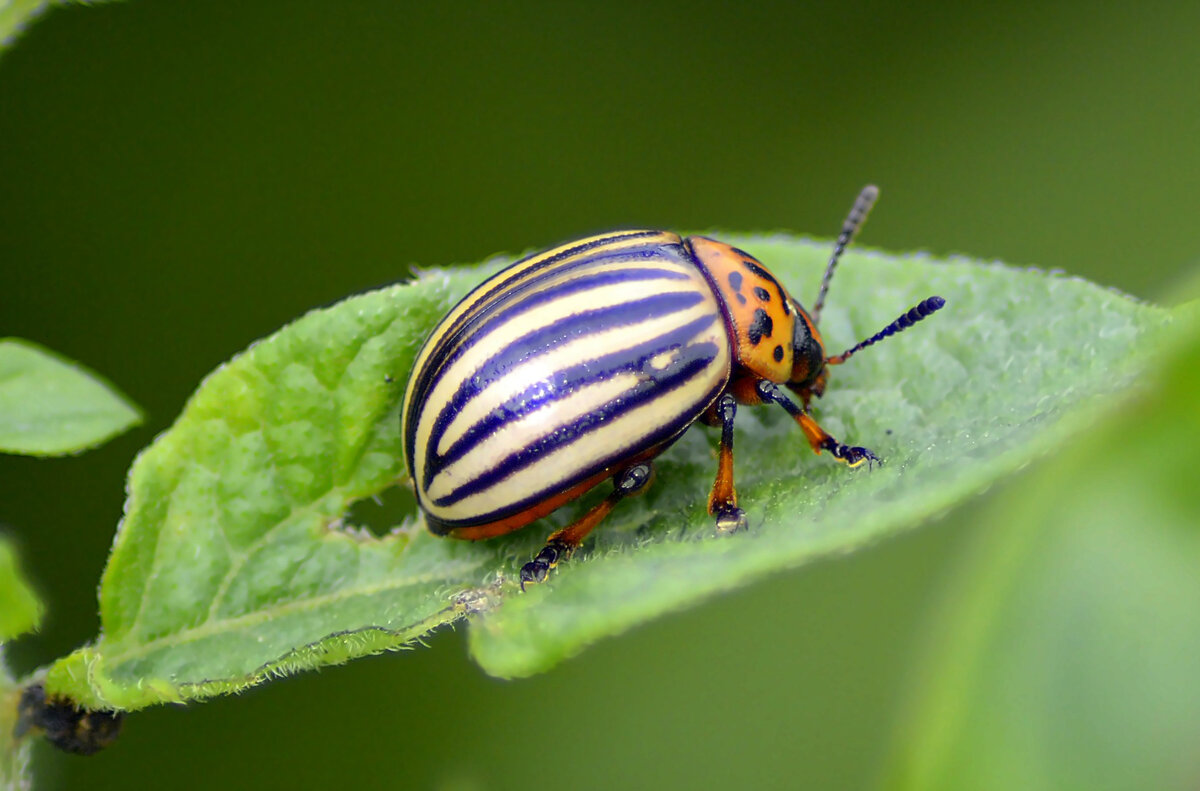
[585,362]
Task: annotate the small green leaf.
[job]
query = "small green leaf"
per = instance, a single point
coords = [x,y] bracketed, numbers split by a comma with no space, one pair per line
[235,560]
[20,608]
[1065,655]
[17,15]
[20,612]
[14,753]
[50,405]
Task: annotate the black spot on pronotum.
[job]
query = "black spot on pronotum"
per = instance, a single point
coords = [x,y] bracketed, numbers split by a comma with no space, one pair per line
[735,281]
[758,270]
[778,353]
[760,327]
[762,294]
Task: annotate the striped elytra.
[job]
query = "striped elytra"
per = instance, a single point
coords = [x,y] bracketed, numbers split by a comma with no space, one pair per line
[584,362]
[555,371]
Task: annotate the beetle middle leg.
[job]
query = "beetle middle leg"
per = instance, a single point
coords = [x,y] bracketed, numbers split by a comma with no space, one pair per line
[818,438]
[629,482]
[722,501]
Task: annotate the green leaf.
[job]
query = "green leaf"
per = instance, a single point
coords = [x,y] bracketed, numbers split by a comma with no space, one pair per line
[20,612]
[1016,361]
[20,608]
[50,405]
[1065,655]
[17,15]
[236,559]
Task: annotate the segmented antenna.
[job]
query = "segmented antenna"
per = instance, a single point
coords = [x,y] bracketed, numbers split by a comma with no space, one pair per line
[854,220]
[906,320]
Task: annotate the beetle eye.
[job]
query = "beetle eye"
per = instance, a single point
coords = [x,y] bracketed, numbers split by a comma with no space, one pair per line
[808,358]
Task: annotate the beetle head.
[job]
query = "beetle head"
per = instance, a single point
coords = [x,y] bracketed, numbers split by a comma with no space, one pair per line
[808,355]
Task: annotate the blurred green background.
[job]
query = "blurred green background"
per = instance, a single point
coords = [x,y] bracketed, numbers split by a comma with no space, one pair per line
[178,179]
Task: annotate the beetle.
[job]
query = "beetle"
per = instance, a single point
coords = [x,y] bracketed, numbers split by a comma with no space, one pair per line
[584,362]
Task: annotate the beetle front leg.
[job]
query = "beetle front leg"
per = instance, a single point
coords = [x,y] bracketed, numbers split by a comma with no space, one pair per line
[818,438]
[629,482]
[722,502]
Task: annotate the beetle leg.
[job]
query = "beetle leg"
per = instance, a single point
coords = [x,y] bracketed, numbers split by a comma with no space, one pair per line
[818,438]
[629,482]
[722,502]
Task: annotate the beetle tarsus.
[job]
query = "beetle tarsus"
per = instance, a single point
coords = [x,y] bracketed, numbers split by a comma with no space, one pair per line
[731,519]
[538,569]
[631,481]
[852,455]
[818,438]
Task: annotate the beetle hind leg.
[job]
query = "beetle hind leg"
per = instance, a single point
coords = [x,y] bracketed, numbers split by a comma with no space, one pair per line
[629,482]
[722,501]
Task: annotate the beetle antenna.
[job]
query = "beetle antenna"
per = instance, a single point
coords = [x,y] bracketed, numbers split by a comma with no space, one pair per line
[854,220]
[922,310]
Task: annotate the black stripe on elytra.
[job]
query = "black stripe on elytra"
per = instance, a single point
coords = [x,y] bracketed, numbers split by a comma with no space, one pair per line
[445,351]
[498,314]
[504,283]
[505,278]
[699,355]
[555,334]
[661,438]
[562,384]
[500,283]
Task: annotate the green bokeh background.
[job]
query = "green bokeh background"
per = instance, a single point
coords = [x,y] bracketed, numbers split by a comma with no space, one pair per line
[178,179]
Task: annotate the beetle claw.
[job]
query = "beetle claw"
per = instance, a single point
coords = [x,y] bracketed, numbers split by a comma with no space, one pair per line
[534,571]
[851,455]
[538,569]
[731,519]
[854,456]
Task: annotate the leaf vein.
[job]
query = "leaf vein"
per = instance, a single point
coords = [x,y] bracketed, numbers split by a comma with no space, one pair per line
[210,628]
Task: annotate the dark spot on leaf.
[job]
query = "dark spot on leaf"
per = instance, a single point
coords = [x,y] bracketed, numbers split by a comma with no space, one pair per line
[760,327]
[68,727]
[762,294]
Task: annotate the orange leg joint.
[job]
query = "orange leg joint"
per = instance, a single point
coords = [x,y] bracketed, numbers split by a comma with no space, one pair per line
[722,501]
[629,482]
